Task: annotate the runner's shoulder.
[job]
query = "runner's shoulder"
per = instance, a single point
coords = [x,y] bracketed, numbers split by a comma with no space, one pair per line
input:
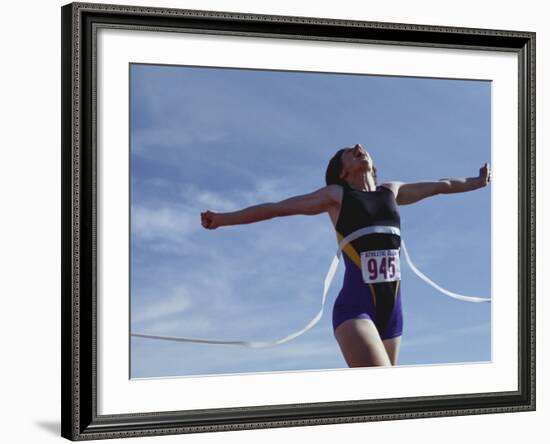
[393,186]
[335,192]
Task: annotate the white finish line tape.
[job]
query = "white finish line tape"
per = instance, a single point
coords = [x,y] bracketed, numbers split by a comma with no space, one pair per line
[328,280]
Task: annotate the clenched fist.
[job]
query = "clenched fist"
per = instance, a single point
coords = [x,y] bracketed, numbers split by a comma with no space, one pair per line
[485,174]
[210,220]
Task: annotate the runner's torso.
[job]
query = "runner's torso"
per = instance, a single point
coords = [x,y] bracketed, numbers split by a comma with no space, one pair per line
[369,208]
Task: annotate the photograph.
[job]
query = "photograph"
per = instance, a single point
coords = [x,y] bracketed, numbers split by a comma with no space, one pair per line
[243,183]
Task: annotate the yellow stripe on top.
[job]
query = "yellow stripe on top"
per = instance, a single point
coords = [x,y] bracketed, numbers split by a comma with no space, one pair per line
[356,259]
[395,294]
[373,294]
[350,251]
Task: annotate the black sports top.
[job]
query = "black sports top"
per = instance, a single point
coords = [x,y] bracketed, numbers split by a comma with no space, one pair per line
[366,208]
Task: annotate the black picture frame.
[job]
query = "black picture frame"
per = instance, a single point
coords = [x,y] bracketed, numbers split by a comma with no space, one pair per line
[80,420]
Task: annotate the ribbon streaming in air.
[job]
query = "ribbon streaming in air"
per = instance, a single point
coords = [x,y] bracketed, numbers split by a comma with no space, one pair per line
[326,285]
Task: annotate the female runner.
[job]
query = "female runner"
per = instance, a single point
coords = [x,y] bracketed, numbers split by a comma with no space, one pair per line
[367,315]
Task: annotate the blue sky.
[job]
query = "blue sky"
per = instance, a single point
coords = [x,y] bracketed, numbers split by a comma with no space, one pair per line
[224,139]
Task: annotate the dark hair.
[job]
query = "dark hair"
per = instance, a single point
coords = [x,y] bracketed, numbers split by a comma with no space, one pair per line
[332,175]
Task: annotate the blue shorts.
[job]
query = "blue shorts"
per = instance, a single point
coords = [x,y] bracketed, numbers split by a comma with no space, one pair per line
[380,302]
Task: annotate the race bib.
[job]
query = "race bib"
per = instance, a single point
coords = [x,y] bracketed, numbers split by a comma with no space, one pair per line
[380,266]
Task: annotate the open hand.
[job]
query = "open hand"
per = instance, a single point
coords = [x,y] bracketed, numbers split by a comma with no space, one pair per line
[485,174]
[210,220]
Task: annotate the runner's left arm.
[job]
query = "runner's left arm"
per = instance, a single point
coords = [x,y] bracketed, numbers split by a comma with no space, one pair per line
[408,193]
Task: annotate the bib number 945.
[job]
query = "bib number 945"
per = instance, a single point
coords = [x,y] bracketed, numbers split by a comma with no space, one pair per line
[380,266]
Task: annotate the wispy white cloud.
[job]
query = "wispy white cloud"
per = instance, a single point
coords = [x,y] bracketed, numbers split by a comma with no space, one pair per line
[165,144]
[177,300]
[193,327]
[163,222]
[201,198]
[172,220]
[472,329]
[445,336]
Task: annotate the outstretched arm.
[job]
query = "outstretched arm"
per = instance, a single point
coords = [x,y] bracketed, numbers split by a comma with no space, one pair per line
[312,203]
[408,193]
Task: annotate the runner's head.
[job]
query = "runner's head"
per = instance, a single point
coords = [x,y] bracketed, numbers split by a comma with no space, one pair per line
[346,161]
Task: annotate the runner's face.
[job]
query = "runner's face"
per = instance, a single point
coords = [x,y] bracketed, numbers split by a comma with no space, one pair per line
[355,158]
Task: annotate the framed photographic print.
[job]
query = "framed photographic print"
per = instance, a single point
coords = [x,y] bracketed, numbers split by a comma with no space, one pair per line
[216,169]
